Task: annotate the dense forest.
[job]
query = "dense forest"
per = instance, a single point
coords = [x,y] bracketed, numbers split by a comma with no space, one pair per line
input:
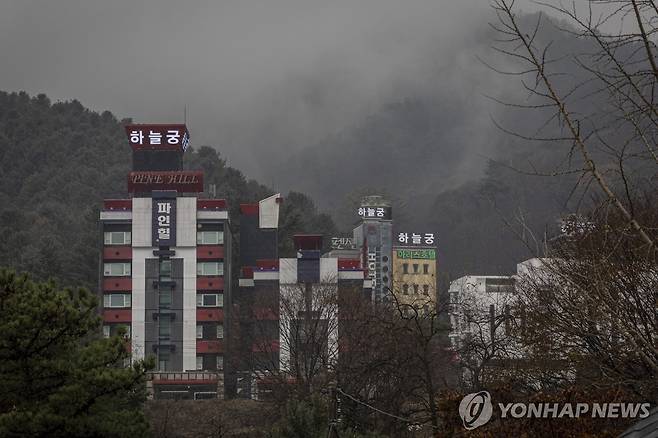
[486,205]
[58,161]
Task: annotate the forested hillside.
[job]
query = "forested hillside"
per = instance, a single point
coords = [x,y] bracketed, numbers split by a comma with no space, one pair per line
[448,169]
[58,161]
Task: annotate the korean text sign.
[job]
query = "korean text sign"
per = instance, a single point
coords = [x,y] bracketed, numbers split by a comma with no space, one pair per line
[164,221]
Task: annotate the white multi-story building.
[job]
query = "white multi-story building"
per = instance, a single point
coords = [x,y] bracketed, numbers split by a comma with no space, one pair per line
[477,304]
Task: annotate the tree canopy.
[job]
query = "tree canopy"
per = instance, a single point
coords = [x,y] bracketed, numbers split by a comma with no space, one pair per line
[58,377]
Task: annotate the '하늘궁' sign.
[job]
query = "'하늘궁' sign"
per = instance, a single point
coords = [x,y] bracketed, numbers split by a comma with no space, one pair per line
[156,136]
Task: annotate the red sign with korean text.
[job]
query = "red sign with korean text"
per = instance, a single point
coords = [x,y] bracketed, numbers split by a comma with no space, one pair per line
[151,136]
[181,181]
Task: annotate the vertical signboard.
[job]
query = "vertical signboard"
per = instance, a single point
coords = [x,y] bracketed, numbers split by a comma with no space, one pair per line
[164,219]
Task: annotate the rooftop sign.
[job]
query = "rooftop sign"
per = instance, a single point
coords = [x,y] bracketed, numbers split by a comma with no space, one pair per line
[172,137]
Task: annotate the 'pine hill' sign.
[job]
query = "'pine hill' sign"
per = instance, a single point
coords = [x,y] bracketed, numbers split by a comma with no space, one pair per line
[180,181]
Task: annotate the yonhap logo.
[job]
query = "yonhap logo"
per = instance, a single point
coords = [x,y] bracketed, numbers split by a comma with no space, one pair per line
[475,409]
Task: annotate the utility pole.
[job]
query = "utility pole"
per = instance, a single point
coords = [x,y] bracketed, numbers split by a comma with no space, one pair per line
[334,411]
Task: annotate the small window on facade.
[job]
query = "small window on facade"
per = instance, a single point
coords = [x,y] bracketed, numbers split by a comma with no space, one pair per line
[405,268]
[405,289]
[117,237]
[426,268]
[164,326]
[199,331]
[199,363]
[426,289]
[416,289]
[210,300]
[220,331]
[165,297]
[210,238]
[415,268]
[116,300]
[165,270]
[210,268]
[106,331]
[163,360]
[220,362]
[116,269]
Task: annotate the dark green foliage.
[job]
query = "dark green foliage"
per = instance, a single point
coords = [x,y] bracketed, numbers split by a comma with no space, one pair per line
[57,377]
[57,164]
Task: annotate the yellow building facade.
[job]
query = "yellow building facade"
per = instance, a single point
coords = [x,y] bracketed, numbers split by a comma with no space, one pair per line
[414,277]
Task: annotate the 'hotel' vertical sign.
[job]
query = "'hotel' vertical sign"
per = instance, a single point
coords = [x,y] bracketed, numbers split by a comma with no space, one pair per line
[164,218]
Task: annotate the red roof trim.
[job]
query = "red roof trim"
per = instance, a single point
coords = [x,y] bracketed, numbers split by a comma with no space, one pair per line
[211,204]
[118,204]
[249,209]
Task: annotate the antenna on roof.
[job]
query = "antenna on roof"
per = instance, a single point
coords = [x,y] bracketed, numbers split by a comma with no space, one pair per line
[185,114]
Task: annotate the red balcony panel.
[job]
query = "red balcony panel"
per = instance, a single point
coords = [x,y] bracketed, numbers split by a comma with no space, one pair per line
[184,381]
[118,204]
[129,346]
[267,264]
[271,346]
[211,204]
[209,346]
[208,252]
[210,283]
[348,264]
[117,315]
[117,253]
[209,314]
[117,284]
[247,272]
[265,313]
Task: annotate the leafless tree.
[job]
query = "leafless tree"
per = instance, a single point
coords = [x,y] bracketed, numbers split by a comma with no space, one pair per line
[605,114]
[297,345]
[591,305]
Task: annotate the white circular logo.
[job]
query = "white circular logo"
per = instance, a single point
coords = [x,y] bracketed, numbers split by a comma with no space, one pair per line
[475,409]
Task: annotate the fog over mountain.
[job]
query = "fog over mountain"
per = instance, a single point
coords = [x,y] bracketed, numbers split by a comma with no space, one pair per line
[335,99]
[261,80]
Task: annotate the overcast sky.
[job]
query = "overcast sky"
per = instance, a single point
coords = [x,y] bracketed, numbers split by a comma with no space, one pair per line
[254,75]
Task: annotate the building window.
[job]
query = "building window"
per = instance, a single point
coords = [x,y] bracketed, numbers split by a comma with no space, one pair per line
[220,362]
[117,238]
[405,289]
[199,332]
[199,363]
[210,268]
[113,330]
[210,238]
[164,326]
[163,359]
[165,270]
[499,285]
[220,331]
[116,300]
[415,268]
[116,269]
[210,300]
[426,289]
[426,268]
[405,268]
[415,289]
[165,297]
